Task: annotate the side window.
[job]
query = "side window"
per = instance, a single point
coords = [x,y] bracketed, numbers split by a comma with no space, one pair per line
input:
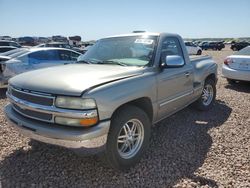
[64,55]
[74,56]
[41,56]
[171,46]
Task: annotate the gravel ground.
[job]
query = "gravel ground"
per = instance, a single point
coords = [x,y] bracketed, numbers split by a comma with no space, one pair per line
[189,149]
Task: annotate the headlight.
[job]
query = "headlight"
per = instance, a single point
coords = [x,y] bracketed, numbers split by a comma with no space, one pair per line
[75,103]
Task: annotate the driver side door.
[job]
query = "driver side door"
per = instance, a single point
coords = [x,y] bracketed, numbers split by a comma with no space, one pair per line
[175,85]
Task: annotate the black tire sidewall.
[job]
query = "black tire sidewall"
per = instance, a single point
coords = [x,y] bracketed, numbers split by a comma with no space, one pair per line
[118,120]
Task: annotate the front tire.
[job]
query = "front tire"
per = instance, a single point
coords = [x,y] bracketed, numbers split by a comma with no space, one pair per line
[128,137]
[208,96]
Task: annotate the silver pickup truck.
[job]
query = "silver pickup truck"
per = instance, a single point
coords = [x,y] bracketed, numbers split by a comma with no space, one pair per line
[108,101]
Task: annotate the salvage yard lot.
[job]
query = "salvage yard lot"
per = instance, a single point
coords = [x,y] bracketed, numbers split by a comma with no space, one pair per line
[189,148]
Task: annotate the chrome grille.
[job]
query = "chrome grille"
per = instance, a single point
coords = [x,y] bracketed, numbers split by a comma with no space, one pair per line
[32,97]
[33,114]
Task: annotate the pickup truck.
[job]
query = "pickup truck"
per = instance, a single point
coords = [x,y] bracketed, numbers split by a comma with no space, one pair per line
[108,101]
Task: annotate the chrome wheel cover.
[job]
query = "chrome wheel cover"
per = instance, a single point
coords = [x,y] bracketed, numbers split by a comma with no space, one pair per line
[207,94]
[130,138]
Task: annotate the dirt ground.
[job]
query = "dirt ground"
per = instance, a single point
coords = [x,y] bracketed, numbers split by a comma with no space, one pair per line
[188,149]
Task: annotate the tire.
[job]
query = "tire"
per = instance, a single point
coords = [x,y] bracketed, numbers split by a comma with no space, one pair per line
[201,104]
[113,154]
[199,52]
[231,81]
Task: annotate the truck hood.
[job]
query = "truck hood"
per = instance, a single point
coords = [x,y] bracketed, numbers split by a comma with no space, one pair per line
[72,79]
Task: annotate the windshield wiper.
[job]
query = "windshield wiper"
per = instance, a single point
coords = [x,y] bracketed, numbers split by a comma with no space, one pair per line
[110,62]
[83,61]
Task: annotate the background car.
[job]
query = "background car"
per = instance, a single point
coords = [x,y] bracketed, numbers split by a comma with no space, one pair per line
[9,43]
[6,48]
[27,41]
[236,46]
[26,59]
[212,45]
[237,66]
[61,45]
[56,45]
[193,49]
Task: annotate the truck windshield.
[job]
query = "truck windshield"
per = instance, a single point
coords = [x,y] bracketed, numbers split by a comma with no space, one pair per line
[124,51]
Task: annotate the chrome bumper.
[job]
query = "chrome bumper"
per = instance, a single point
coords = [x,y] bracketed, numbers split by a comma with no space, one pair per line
[90,141]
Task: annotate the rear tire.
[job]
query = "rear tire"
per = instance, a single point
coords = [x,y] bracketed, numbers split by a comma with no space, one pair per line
[123,150]
[231,81]
[199,52]
[208,96]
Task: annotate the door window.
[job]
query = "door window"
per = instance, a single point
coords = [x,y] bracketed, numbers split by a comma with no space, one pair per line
[171,46]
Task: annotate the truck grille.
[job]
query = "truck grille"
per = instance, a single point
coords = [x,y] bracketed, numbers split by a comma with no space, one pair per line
[33,114]
[31,97]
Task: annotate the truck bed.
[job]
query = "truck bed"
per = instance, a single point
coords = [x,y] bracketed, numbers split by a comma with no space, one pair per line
[199,57]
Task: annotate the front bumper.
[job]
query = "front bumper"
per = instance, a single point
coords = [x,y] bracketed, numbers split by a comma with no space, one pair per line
[240,75]
[90,141]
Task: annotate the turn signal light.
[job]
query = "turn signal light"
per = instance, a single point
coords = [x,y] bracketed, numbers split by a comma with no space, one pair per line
[89,121]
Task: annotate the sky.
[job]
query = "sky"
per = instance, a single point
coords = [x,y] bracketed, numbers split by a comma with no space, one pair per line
[94,19]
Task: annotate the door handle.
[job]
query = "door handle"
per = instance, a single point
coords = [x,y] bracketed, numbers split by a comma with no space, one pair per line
[187,74]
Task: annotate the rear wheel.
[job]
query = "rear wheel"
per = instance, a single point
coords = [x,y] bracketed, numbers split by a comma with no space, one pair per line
[128,137]
[199,52]
[207,97]
[231,81]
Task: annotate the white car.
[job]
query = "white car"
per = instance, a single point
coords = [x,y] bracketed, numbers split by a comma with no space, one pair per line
[22,60]
[193,49]
[237,67]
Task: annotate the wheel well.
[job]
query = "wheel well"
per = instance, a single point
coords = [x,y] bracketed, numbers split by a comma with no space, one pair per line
[212,77]
[143,103]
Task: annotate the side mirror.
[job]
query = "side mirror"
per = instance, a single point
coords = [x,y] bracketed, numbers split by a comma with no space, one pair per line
[173,61]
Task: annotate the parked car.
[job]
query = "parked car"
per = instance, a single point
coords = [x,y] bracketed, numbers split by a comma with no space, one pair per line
[24,59]
[5,38]
[212,45]
[109,100]
[237,67]
[9,43]
[61,45]
[56,45]
[236,46]
[6,48]
[59,38]
[193,49]
[27,41]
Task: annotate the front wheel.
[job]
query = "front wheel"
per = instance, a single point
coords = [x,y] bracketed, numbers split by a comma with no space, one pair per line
[207,97]
[128,137]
